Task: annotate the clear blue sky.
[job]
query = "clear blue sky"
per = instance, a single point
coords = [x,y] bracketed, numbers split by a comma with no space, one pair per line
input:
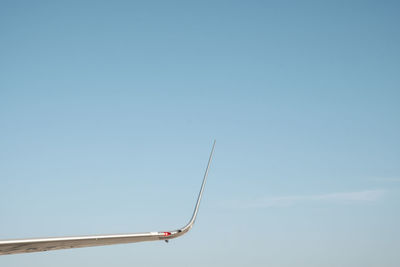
[108,110]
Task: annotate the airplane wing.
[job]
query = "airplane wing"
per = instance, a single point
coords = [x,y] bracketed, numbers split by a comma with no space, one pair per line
[53,243]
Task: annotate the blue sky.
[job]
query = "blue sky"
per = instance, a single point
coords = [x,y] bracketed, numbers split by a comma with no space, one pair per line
[108,111]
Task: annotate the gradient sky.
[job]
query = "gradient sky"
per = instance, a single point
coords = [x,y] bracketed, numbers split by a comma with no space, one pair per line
[108,110]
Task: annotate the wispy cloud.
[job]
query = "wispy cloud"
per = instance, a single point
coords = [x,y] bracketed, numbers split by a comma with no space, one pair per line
[387,179]
[282,201]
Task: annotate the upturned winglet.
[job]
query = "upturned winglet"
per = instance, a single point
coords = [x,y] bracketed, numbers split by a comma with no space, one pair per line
[186,228]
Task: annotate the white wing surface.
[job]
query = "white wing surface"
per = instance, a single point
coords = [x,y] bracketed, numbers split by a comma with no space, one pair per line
[53,243]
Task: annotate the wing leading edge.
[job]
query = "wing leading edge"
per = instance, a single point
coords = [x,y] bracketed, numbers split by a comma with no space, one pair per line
[44,244]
